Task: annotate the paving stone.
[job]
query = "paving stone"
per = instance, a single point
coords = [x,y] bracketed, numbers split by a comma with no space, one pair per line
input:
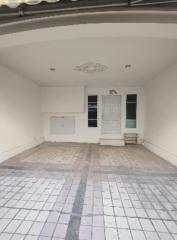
[12,227]
[165,236]
[24,227]
[119,211]
[124,234]
[42,217]
[147,225]
[30,237]
[48,229]
[152,214]
[64,218]
[3,224]
[60,230]
[174,236]
[138,235]
[53,217]
[159,226]
[111,234]
[134,224]
[22,214]
[152,236]
[108,211]
[98,221]
[44,238]
[32,215]
[85,232]
[141,213]
[109,221]
[5,236]
[18,237]
[122,222]
[130,212]
[171,226]
[11,213]
[98,233]
[36,228]
[125,183]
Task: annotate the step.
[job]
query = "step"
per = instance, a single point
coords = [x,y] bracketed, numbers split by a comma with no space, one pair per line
[131,138]
[112,142]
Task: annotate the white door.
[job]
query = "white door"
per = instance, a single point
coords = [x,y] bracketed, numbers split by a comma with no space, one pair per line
[111,114]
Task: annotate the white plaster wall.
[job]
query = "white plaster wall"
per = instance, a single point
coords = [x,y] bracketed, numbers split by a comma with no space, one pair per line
[161,115]
[83,132]
[20,114]
[62,99]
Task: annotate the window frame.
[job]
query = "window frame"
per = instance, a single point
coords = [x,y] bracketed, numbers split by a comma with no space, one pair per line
[131,102]
[92,119]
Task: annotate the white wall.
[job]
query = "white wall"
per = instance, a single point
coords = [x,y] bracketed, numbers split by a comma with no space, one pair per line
[161,115]
[83,132]
[20,114]
[62,99]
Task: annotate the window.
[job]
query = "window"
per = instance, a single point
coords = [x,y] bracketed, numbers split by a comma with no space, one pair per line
[131,105]
[92,111]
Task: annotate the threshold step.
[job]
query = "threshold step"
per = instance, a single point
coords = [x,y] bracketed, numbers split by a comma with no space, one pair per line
[112,142]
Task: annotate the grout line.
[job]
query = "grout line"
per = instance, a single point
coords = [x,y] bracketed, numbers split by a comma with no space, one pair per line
[75,220]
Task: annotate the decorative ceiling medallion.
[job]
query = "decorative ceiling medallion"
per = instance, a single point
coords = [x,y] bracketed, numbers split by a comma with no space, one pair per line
[91,67]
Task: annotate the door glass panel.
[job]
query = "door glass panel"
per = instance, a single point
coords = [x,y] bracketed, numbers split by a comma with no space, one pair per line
[92,111]
[131,106]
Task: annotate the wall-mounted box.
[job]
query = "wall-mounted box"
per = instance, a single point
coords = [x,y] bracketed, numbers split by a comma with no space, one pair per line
[62,125]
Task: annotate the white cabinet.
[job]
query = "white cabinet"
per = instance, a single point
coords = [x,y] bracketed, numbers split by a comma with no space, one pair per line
[62,125]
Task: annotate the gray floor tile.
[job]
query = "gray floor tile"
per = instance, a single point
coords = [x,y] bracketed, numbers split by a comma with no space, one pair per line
[48,229]
[12,227]
[5,236]
[36,228]
[60,230]
[24,227]
[124,234]
[138,235]
[125,183]
[111,234]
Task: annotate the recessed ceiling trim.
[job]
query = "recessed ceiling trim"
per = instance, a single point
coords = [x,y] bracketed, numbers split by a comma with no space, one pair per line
[102,30]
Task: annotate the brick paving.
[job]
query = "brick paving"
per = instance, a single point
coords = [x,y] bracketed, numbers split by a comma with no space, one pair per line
[88,192]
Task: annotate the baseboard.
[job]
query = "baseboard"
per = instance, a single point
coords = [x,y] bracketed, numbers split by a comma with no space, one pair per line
[19,149]
[168,156]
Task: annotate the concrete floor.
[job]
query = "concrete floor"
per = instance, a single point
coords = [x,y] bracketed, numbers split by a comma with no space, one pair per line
[88,192]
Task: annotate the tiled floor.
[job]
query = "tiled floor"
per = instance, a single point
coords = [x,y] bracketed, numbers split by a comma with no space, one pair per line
[88,192]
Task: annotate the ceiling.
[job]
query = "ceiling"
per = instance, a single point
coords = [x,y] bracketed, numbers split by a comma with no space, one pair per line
[147,57]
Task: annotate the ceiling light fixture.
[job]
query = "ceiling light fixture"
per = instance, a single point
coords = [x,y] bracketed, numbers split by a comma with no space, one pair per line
[52,69]
[128,66]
